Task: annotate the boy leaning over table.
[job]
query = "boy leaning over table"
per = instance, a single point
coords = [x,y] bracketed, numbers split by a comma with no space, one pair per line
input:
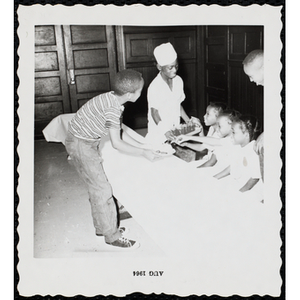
[98,117]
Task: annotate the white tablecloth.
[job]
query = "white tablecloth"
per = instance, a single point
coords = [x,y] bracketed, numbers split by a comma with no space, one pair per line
[57,129]
[211,231]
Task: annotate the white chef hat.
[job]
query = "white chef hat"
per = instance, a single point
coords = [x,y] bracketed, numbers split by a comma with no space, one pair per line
[165,54]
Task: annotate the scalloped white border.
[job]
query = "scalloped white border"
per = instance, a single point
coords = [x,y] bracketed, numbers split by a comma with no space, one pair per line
[32,271]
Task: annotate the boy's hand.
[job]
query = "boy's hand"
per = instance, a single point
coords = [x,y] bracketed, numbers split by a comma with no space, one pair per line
[147,146]
[151,155]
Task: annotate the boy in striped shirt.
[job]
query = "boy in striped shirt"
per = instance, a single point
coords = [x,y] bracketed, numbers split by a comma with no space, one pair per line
[98,117]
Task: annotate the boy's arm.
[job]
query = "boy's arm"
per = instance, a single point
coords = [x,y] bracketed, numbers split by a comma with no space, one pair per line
[249,185]
[209,163]
[129,139]
[120,145]
[224,173]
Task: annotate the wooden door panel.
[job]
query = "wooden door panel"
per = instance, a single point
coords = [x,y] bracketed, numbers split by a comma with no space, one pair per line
[244,39]
[44,35]
[140,47]
[215,64]
[91,61]
[92,83]
[47,87]
[86,34]
[47,111]
[246,97]
[51,90]
[46,61]
[93,58]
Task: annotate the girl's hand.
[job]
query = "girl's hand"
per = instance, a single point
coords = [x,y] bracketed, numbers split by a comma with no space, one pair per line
[195,121]
[181,139]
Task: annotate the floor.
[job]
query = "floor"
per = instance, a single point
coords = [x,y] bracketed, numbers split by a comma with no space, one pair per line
[62,219]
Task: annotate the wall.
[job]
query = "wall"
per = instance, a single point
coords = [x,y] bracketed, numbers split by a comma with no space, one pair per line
[75,63]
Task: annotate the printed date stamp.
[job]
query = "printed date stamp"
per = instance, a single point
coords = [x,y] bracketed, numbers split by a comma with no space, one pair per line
[148,273]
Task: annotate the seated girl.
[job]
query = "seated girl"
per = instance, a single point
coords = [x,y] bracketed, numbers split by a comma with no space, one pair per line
[220,145]
[223,146]
[244,163]
[210,118]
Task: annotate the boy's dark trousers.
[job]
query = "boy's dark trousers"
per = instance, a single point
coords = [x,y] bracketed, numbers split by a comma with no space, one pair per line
[86,158]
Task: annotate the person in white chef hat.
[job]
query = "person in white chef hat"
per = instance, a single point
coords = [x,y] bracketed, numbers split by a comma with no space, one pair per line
[165,95]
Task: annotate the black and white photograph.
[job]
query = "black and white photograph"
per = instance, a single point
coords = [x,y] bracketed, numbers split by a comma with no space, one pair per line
[149,146]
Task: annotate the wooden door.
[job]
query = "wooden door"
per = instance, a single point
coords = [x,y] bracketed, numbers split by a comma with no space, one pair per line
[215,64]
[51,89]
[90,61]
[225,81]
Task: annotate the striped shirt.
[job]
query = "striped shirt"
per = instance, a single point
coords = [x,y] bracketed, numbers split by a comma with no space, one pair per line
[93,120]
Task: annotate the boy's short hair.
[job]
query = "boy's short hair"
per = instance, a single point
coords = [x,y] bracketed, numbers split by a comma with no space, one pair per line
[219,107]
[126,81]
[252,56]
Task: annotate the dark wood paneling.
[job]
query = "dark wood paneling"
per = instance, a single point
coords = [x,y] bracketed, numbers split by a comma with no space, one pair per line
[44,36]
[95,58]
[188,72]
[216,31]
[47,111]
[135,51]
[91,57]
[244,39]
[92,83]
[140,47]
[48,86]
[246,97]
[51,89]
[88,34]
[226,47]
[242,94]
[215,64]
[47,61]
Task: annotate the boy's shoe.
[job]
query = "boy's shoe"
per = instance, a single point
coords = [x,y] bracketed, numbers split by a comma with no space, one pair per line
[123,230]
[124,243]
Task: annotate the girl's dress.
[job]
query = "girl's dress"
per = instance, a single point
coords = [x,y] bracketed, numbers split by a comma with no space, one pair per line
[212,132]
[244,164]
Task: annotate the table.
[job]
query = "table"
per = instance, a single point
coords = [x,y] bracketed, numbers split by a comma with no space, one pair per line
[207,230]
